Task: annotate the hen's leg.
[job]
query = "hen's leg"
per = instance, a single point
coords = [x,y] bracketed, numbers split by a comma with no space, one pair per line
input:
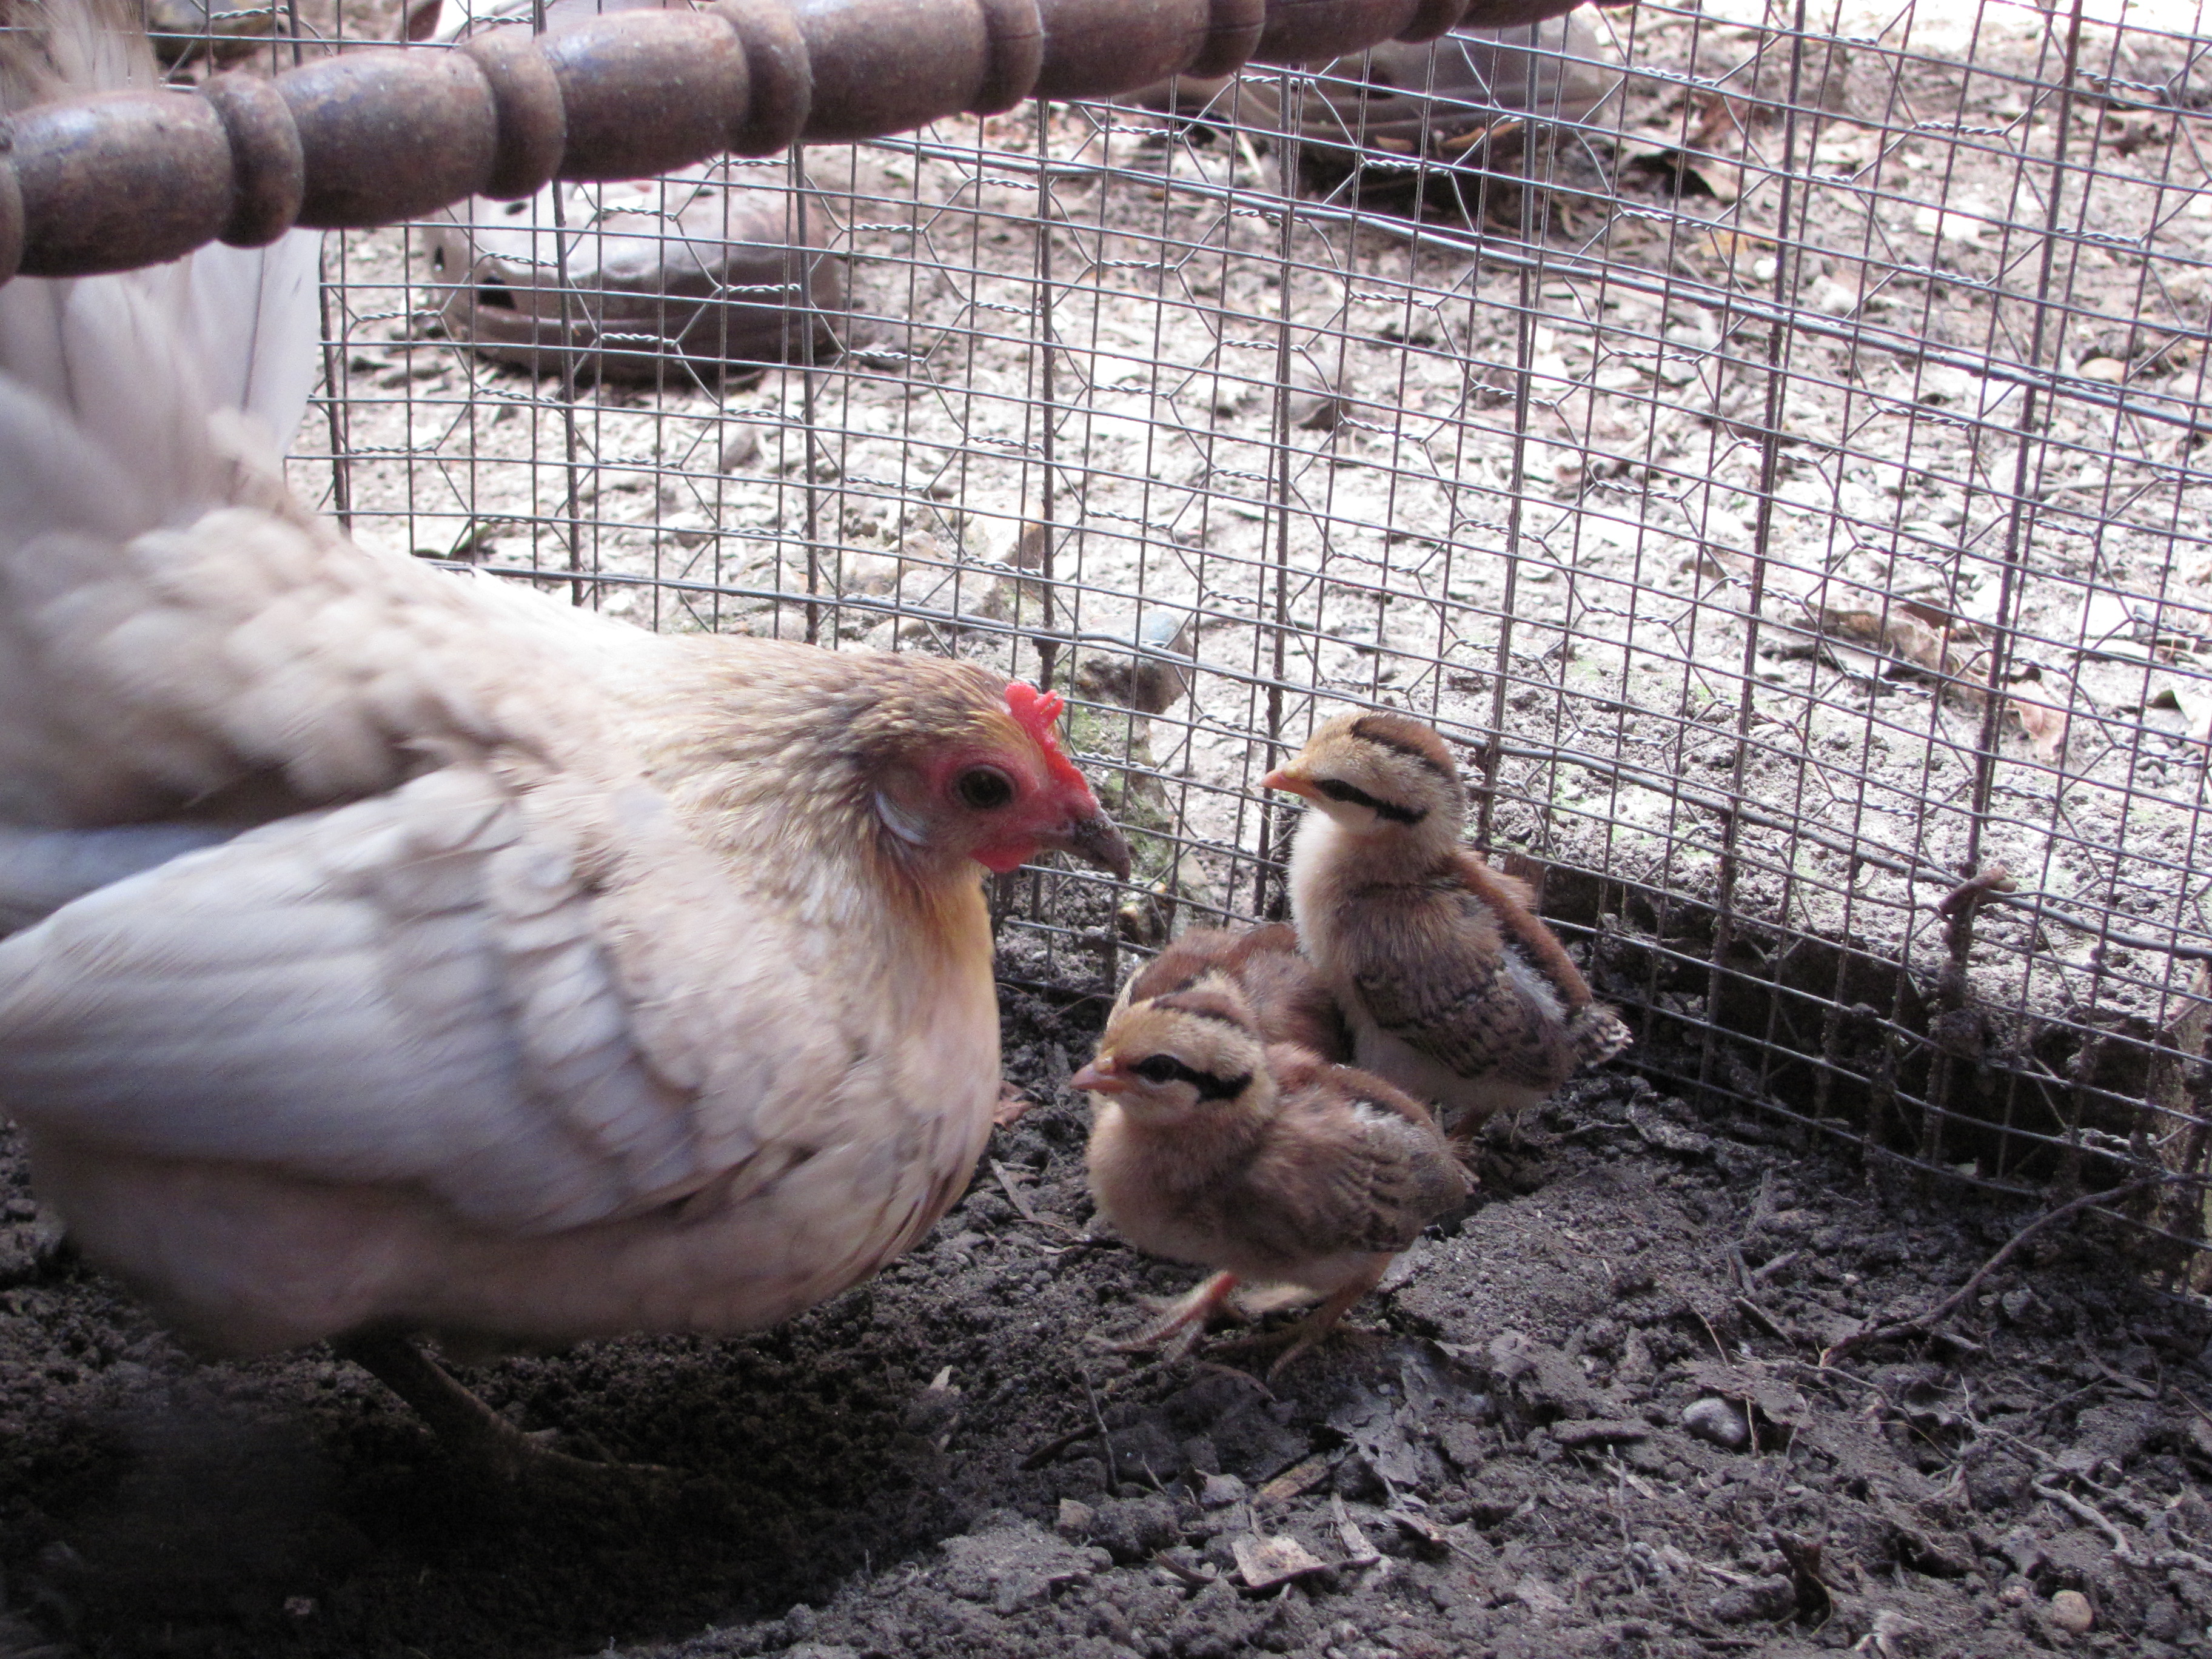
[473,1432]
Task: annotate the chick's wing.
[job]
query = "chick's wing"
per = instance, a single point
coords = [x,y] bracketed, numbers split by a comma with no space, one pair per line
[1434,969]
[1358,1168]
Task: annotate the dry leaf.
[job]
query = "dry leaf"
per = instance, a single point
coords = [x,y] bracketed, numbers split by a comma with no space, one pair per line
[1686,174]
[1910,632]
[1299,1479]
[1357,1551]
[1895,632]
[1722,563]
[1745,254]
[1009,1181]
[2195,703]
[1265,1562]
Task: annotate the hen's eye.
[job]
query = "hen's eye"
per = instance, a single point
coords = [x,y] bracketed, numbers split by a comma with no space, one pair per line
[983,787]
[1159,1068]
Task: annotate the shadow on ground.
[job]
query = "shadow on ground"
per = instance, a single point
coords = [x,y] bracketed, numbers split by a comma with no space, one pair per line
[1590,1418]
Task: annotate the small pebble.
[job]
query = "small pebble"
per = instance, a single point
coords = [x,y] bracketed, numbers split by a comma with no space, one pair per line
[2111,370]
[1220,1491]
[1074,1519]
[2071,1612]
[1717,1420]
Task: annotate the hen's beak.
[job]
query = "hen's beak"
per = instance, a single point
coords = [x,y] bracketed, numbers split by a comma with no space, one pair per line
[1101,1077]
[1095,841]
[1289,782]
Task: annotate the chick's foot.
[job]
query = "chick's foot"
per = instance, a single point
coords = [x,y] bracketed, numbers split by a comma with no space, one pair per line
[1310,1332]
[1183,1321]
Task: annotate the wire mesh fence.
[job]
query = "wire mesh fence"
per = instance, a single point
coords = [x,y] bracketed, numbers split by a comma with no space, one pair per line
[1767,438]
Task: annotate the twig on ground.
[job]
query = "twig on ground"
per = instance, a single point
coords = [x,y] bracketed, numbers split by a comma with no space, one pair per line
[1925,1324]
[1189,1575]
[1020,1201]
[2095,1516]
[1105,1440]
[2123,1551]
[1765,1321]
[1052,1448]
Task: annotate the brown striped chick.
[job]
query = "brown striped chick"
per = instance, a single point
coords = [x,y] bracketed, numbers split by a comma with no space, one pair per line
[1455,988]
[1288,999]
[1261,1162]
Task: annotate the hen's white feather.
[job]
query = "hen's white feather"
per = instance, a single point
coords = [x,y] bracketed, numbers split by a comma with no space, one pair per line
[131,357]
[417,947]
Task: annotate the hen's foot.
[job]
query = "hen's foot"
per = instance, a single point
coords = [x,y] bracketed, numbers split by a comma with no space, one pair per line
[478,1436]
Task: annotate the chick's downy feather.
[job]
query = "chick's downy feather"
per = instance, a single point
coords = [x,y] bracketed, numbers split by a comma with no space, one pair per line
[1455,988]
[404,948]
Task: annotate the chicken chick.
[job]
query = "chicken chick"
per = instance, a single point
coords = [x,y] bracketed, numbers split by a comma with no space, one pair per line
[1455,988]
[415,952]
[1289,1001]
[1263,1161]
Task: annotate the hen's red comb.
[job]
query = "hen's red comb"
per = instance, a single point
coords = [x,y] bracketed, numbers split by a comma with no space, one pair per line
[1037,712]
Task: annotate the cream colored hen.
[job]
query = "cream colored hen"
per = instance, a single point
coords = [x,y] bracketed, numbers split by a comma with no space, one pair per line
[418,951]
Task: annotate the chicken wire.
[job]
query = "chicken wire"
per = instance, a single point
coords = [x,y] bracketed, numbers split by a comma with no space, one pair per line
[1780,473]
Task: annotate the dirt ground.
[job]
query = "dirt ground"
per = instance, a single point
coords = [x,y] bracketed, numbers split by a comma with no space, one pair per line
[1593,1416]
[1540,1448]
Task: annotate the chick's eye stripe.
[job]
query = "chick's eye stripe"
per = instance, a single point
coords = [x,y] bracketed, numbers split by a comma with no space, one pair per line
[1337,790]
[1037,712]
[1166,1068]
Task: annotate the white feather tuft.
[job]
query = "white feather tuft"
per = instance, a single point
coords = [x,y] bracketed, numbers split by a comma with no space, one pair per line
[142,362]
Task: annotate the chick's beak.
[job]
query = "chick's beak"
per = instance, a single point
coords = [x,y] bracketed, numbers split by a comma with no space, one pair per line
[1093,839]
[1101,1077]
[1288,782]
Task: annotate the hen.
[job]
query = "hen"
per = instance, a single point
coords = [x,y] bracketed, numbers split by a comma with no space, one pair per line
[420,952]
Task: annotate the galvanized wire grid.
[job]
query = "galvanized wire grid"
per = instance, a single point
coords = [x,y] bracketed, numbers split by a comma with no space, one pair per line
[1785,479]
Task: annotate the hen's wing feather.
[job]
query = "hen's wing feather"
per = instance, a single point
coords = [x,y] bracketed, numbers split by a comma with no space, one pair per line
[409,990]
[42,870]
[139,676]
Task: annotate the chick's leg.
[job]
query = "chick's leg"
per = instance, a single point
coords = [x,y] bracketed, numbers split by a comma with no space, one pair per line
[1309,1331]
[474,1433]
[1183,1321]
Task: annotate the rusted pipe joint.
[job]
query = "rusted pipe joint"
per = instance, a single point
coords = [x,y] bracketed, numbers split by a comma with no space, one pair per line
[121,179]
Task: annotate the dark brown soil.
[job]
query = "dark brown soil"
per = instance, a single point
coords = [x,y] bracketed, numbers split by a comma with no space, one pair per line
[1501,1466]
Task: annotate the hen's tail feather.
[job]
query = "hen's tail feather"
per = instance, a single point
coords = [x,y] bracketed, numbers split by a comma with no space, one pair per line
[53,48]
[128,404]
[141,360]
